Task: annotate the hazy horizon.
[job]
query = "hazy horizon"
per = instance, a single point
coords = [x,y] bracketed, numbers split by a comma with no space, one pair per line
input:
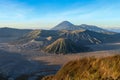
[45,14]
[116,29]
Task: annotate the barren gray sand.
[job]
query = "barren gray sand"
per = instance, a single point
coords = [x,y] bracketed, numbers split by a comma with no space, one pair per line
[14,61]
[62,59]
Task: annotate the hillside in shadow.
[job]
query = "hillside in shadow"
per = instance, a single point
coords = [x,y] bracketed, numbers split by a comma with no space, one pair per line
[14,65]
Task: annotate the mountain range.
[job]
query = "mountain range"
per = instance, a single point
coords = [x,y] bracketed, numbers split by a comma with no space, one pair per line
[50,40]
[61,36]
[66,25]
[78,36]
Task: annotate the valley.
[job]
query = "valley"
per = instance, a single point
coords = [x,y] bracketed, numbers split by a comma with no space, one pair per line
[35,63]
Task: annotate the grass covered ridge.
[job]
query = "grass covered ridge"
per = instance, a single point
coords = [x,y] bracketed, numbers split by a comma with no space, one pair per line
[107,68]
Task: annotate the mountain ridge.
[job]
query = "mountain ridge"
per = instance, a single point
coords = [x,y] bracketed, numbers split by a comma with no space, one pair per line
[66,25]
[9,32]
[64,46]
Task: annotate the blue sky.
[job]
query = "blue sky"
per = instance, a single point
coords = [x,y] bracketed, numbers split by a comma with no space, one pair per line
[47,13]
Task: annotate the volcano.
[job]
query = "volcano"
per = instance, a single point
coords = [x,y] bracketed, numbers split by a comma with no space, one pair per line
[63,45]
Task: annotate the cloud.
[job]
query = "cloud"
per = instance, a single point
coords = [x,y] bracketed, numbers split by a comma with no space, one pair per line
[13,10]
[38,14]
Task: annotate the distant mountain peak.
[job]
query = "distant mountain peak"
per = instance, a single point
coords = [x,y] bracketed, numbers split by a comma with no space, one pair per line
[65,25]
[65,22]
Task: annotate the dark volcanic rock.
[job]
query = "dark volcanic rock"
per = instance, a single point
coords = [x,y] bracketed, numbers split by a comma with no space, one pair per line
[63,45]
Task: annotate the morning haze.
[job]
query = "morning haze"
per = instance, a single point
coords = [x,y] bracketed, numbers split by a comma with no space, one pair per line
[59,40]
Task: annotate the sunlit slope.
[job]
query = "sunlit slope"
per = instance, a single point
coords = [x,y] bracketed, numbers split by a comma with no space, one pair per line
[107,68]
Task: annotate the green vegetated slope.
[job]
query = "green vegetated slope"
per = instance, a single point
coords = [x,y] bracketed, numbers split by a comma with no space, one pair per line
[63,45]
[92,68]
